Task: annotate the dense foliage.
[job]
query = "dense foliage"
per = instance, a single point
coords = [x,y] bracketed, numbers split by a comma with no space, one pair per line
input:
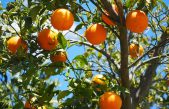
[31,76]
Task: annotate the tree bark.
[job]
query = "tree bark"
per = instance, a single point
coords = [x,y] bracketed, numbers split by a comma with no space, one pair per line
[124,74]
[124,67]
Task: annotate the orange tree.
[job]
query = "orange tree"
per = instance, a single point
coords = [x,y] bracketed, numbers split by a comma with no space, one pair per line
[124,41]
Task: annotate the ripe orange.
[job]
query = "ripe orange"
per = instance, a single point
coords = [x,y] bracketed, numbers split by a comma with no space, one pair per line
[110,100]
[28,105]
[62,19]
[106,19]
[96,34]
[47,39]
[135,50]
[60,56]
[136,21]
[99,79]
[14,43]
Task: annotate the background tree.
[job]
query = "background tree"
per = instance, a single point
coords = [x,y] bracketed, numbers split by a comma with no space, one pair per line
[30,68]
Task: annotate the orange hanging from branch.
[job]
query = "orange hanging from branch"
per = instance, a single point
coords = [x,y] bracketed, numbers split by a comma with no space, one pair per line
[110,100]
[62,19]
[14,43]
[136,21]
[47,39]
[96,34]
[135,50]
[59,56]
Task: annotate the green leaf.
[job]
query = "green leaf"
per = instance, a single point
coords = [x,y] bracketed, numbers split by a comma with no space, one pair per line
[49,92]
[18,105]
[34,12]
[63,94]
[130,3]
[76,18]
[78,27]
[44,18]
[62,40]
[28,22]
[82,60]
[163,4]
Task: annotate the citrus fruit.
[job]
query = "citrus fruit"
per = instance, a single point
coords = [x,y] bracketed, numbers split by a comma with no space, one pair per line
[99,79]
[62,19]
[110,100]
[14,43]
[95,34]
[135,50]
[106,19]
[47,39]
[136,21]
[59,56]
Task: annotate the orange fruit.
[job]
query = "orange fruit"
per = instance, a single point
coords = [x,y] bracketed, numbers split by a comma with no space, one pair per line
[136,21]
[14,43]
[110,100]
[95,34]
[60,56]
[99,79]
[106,19]
[28,105]
[47,39]
[62,19]
[135,50]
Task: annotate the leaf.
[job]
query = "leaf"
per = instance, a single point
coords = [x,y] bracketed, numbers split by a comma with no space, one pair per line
[44,18]
[78,27]
[18,105]
[63,94]
[128,3]
[49,93]
[28,22]
[82,60]
[163,4]
[62,40]
[141,4]
[49,71]
[76,18]
[34,12]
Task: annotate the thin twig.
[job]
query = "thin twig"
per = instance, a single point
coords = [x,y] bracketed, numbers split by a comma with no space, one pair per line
[101,51]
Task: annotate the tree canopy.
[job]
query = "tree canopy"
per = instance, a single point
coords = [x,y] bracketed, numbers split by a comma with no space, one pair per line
[100,51]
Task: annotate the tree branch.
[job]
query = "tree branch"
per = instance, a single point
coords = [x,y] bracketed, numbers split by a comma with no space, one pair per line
[101,51]
[162,43]
[124,74]
[151,60]
[108,7]
[146,80]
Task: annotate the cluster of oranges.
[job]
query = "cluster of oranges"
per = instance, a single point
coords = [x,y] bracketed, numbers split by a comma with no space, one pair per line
[137,22]
[62,19]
